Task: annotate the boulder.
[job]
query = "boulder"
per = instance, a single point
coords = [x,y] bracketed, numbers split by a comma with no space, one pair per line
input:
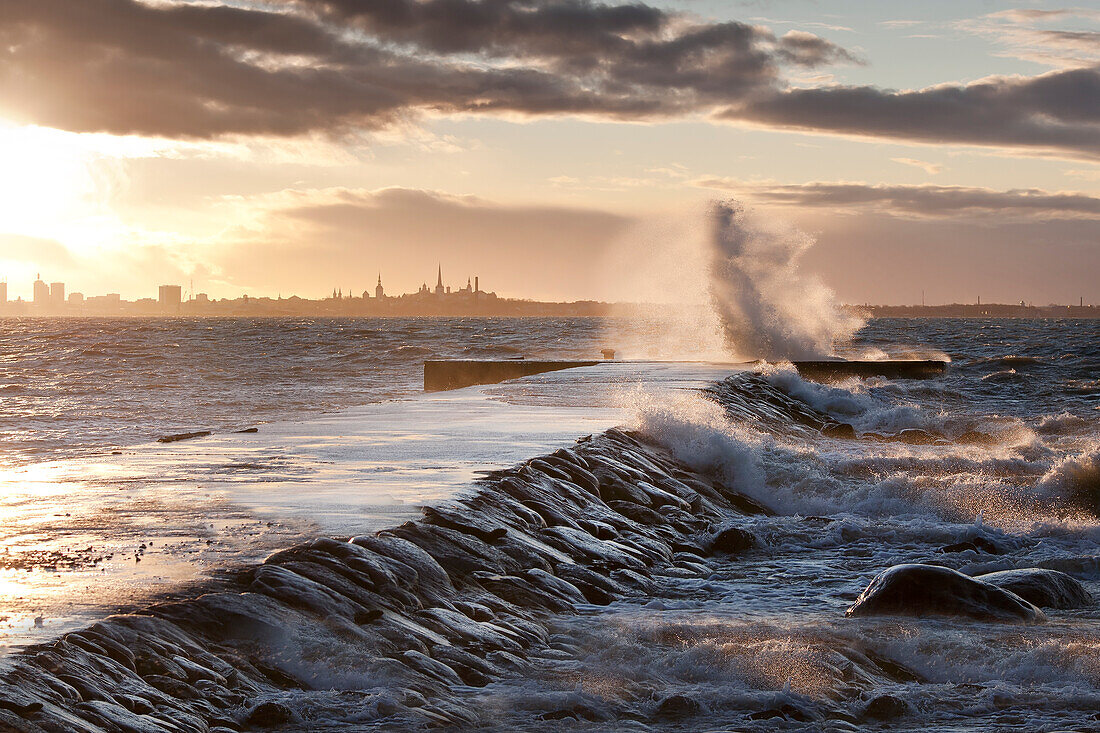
[931,590]
[975,544]
[733,541]
[677,706]
[1042,587]
[269,714]
[885,707]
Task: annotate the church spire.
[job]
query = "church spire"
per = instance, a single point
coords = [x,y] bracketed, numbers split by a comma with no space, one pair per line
[439,281]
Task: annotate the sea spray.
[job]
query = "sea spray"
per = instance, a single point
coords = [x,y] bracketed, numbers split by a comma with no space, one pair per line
[769,309]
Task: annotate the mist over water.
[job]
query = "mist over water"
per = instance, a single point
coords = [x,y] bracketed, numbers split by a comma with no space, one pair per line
[768,308]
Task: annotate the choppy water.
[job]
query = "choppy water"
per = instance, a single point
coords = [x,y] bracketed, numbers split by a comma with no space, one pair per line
[761,632]
[70,386]
[1007,450]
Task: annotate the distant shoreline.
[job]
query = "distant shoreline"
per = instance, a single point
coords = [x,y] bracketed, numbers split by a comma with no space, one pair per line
[500,308]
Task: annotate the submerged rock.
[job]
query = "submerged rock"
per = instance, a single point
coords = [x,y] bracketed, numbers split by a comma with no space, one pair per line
[1042,587]
[885,707]
[268,714]
[677,706]
[976,544]
[931,590]
[733,541]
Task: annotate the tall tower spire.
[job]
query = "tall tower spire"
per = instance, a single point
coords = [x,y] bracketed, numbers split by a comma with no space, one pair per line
[439,280]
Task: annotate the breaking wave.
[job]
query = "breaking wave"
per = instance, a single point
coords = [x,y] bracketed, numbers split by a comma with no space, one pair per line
[769,308]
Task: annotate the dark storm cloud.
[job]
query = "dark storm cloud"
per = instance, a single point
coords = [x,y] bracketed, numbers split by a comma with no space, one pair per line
[299,66]
[1055,111]
[198,70]
[931,201]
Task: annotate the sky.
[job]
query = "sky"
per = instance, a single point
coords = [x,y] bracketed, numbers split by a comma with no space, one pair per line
[557,149]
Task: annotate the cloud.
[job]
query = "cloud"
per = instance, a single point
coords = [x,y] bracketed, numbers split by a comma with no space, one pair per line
[929,168]
[923,201]
[1055,112]
[192,70]
[1020,33]
[294,68]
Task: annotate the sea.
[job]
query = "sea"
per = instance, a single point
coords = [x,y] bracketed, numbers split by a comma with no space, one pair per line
[999,458]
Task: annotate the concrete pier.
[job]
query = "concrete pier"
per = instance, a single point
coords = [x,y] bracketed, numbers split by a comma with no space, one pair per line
[442,375]
[454,374]
[891,369]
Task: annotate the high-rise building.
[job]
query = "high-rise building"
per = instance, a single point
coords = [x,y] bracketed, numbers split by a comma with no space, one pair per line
[3,294]
[170,298]
[57,295]
[41,292]
[76,299]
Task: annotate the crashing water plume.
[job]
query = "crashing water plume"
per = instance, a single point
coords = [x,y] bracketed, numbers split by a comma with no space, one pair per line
[768,308]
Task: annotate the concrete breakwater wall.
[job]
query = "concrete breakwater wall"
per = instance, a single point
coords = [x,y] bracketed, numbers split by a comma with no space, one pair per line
[403,626]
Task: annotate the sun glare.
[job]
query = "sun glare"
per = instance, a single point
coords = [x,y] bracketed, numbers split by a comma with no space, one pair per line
[47,180]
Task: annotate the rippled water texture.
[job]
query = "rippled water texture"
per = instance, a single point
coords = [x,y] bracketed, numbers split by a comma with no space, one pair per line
[72,385]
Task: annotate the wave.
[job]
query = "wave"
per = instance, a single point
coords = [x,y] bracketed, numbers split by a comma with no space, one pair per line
[770,309]
[1005,375]
[1064,423]
[811,449]
[1075,478]
[691,572]
[1010,361]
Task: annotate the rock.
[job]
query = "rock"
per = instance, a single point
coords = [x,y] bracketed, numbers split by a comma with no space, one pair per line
[787,712]
[473,670]
[269,714]
[931,590]
[469,523]
[183,436]
[485,634]
[1042,587]
[892,668]
[917,436]
[977,544]
[404,553]
[578,543]
[475,611]
[580,711]
[20,708]
[638,513]
[301,592]
[521,592]
[553,584]
[838,430]
[432,668]
[677,706]
[885,707]
[733,541]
